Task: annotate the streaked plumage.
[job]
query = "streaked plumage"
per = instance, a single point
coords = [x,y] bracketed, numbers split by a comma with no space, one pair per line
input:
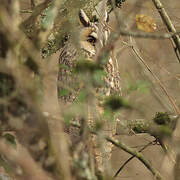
[93,37]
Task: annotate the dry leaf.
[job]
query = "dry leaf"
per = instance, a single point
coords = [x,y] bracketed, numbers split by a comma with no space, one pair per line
[145,23]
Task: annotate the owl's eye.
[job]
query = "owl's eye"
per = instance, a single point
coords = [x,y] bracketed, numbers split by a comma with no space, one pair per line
[91,40]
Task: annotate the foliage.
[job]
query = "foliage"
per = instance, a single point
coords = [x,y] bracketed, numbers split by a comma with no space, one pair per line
[114,103]
[83,66]
[162,118]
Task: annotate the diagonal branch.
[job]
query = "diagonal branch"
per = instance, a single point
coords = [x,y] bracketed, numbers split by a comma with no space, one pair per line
[129,150]
[136,154]
[171,99]
[167,21]
[132,157]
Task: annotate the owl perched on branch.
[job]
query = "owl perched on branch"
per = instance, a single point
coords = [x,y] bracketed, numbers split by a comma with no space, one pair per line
[95,55]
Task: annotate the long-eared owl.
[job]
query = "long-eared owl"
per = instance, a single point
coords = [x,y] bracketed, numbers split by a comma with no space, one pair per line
[93,38]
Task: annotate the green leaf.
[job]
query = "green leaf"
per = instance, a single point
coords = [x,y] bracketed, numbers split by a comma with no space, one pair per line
[86,66]
[98,77]
[98,125]
[32,65]
[165,131]
[63,66]
[7,84]
[162,118]
[64,92]
[141,86]
[82,96]
[103,58]
[108,114]
[10,138]
[115,102]
[47,19]
[67,118]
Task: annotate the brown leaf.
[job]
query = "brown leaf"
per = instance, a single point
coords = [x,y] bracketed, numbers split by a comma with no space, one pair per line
[145,23]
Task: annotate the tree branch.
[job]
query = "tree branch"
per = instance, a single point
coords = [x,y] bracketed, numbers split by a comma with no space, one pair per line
[136,154]
[21,157]
[171,99]
[132,158]
[167,21]
[129,150]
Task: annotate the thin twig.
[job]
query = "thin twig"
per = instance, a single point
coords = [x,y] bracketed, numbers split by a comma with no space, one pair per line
[167,21]
[150,143]
[142,34]
[26,11]
[172,101]
[148,35]
[127,149]
[136,154]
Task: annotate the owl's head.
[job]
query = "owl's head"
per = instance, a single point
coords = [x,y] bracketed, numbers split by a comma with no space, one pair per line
[92,33]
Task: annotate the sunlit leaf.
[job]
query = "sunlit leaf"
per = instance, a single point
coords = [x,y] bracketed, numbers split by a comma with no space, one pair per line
[145,23]
[47,20]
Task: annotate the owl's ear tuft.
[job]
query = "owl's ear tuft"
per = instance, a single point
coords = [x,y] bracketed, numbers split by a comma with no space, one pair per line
[84,20]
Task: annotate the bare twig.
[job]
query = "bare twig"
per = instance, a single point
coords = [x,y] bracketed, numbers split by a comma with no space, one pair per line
[26,11]
[136,154]
[172,101]
[148,35]
[141,34]
[167,21]
[150,143]
[129,150]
